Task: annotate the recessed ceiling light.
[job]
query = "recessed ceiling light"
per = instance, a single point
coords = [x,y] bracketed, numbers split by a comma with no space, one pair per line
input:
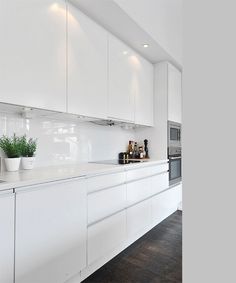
[125,52]
[145,45]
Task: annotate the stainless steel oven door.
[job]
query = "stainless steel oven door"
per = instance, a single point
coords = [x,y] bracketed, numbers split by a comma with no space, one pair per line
[175,172]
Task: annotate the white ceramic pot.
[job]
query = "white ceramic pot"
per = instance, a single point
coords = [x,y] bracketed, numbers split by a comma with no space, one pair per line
[12,164]
[28,163]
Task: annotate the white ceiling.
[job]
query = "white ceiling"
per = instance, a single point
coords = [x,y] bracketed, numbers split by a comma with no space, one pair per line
[113,18]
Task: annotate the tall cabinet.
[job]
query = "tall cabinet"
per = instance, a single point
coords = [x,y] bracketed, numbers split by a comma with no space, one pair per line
[33,53]
[7,236]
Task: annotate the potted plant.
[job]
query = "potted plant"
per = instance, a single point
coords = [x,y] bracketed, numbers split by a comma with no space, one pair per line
[28,149]
[11,147]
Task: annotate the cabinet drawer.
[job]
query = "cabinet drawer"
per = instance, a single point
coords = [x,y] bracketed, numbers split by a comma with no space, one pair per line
[105,181]
[138,191]
[105,236]
[147,171]
[138,218]
[159,183]
[165,204]
[106,202]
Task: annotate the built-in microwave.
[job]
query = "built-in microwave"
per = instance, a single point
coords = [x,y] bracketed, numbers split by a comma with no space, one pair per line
[174,134]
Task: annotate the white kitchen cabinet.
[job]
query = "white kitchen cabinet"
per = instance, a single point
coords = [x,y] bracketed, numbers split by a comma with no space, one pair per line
[144,100]
[105,236]
[159,183]
[138,191]
[122,80]
[87,65]
[174,94]
[138,219]
[106,202]
[6,237]
[165,203]
[51,223]
[32,53]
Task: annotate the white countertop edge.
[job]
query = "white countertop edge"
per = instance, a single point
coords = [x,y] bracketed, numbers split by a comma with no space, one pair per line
[37,176]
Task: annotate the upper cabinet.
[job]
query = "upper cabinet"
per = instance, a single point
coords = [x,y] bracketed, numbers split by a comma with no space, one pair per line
[144,96]
[87,66]
[130,83]
[122,81]
[174,94]
[32,53]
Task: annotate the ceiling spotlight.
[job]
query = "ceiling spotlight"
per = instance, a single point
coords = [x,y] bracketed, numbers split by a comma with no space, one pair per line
[125,52]
[145,45]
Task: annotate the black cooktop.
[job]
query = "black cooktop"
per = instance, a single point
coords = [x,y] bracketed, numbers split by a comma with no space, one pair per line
[119,162]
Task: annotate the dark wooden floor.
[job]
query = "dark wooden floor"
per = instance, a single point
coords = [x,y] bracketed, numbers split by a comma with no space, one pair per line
[155,258]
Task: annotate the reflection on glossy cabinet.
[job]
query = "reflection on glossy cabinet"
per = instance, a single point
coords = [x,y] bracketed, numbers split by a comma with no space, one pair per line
[144,100]
[87,65]
[174,94]
[138,218]
[51,225]
[105,236]
[122,81]
[32,53]
[6,237]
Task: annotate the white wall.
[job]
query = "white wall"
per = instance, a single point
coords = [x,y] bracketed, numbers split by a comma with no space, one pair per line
[162,19]
[65,141]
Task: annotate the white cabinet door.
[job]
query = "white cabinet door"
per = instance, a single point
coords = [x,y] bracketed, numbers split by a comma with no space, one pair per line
[144,100]
[105,236]
[106,202]
[159,183]
[174,94]
[138,191]
[87,66]
[165,204]
[6,237]
[51,224]
[138,219]
[122,80]
[33,53]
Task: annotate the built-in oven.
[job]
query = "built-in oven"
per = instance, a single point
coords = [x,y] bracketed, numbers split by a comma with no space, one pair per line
[175,165]
[174,134]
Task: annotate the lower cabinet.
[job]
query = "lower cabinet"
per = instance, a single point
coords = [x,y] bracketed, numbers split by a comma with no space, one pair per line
[51,226]
[6,237]
[165,204]
[105,236]
[138,218]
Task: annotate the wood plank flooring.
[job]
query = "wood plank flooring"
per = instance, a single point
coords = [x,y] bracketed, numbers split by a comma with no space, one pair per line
[155,258]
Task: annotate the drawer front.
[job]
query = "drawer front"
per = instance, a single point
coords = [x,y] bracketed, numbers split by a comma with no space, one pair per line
[165,204]
[147,171]
[138,218]
[105,236]
[159,183]
[138,191]
[106,202]
[105,181]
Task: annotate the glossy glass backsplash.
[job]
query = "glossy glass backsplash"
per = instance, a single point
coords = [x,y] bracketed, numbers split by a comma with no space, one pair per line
[65,141]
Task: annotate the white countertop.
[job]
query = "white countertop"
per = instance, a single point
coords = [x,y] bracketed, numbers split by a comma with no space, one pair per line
[36,176]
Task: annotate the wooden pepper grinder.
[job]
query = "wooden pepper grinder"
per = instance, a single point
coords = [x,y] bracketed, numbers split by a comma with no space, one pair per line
[146,147]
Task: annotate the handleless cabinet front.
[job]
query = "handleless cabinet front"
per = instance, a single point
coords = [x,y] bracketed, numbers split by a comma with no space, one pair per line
[87,65]
[6,237]
[123,80]
[33,53]
[51,225]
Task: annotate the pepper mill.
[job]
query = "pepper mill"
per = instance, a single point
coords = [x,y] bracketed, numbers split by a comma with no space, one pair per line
[146,147]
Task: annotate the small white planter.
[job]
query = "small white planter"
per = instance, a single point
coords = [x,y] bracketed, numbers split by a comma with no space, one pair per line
[28,163]
[12,164]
